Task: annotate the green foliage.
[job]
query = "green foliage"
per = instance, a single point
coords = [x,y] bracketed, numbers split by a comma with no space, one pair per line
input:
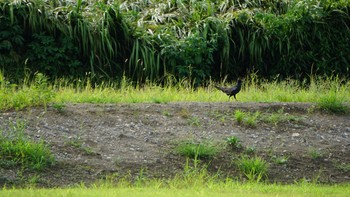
[250,150]
[197,150]
[194,175]
[247,118]
[280,159]
[239,116]
[193,40]
[59,107]
[194,121]
[17,150]
[254,168]
[234,142]
[315,154]
[54,58]
[191,57]
[11,38]
[35,92]
[332,103]
[278,116]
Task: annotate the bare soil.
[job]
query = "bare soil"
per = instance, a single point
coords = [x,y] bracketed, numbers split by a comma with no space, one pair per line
[92,141]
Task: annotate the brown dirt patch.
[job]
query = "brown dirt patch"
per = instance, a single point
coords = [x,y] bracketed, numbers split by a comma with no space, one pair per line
[90,141]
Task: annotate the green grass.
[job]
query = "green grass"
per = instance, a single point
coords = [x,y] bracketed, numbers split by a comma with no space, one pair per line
[228,188]
[234,142]
[197,150]
[280,159]
[315,154]
[254,168]
[332,103]
[328,93]
[251,119]
[18,150]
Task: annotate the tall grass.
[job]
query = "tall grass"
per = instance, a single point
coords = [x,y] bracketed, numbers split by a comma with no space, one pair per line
[33,92]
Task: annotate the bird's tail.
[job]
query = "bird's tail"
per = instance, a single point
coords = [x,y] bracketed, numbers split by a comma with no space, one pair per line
[219,88]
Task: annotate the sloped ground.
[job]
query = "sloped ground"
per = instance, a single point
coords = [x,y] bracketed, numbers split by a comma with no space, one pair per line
[91,141]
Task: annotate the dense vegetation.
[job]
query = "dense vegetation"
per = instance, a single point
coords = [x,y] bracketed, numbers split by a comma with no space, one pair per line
[154,40]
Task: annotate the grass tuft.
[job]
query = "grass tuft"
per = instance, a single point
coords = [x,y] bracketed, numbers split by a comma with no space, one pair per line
[332,103]
[17,150]
[254,168]
[234,142]
[197,150]
[315,154]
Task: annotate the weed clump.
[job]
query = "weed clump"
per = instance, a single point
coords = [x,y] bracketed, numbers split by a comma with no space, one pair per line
[197,150]
[331,103]
[254,168]
[234,142]
[17,150]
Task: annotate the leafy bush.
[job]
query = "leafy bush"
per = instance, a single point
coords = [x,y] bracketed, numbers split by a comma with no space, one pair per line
[195,40]
[54,58]
[191,57]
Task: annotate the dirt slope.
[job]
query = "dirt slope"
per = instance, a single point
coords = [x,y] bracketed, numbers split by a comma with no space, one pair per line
[90,141]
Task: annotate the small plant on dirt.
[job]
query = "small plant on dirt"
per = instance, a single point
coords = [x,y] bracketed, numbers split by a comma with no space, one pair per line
[141,179]
[17,150]
[75,142]
[254,168]
[234,142]
[280,159]
[88,150]
[59,107]
[250,150]
[278,117]
[166,113]
[315,154]
[239,116]
[194,121]
[247,118]
[184,113]
[78,143]
[252,119]
[197,150]
[222,117]
[345,167]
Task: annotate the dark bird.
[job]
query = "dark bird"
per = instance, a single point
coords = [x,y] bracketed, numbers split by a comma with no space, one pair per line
[231,91]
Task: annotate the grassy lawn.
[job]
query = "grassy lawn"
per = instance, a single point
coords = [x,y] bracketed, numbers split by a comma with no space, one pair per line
[217,189]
